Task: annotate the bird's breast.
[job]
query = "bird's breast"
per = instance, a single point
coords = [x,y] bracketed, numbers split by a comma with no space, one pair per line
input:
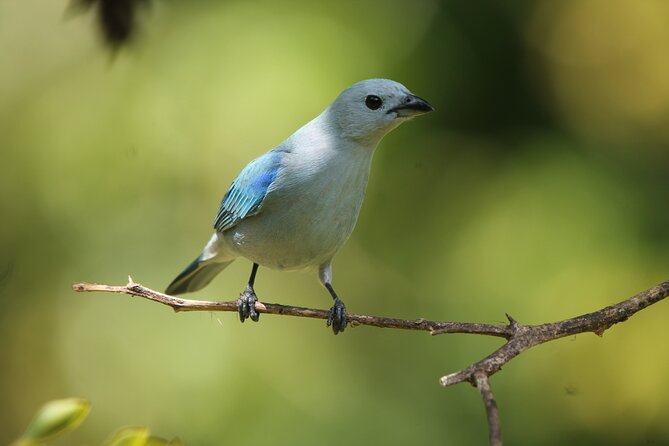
[307,216]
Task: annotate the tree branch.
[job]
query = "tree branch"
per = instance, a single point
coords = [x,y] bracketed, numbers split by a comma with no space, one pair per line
[525,337]
[519,338]
[178,304]
[494,426]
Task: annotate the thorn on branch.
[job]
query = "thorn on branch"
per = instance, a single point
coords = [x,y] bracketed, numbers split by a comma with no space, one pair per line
[600,332]
[512,322]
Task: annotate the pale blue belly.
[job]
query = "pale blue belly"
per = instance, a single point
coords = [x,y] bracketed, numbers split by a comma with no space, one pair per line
[286,236]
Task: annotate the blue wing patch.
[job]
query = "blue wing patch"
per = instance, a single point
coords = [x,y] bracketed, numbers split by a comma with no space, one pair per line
[248,190]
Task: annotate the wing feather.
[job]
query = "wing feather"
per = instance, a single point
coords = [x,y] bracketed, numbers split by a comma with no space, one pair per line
[248,191]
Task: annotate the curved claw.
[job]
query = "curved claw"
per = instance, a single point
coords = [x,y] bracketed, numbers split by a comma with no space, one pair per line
[246,305]
[337,317]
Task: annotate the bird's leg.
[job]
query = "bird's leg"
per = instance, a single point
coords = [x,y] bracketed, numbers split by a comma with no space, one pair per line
[337,314]
[247,300]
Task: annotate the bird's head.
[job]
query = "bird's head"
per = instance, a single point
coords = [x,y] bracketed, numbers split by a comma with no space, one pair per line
[370,109]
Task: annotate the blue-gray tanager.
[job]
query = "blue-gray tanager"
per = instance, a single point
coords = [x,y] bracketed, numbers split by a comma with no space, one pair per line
[296,205]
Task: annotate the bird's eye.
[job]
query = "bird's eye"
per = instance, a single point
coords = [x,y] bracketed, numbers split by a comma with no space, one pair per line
[373,102]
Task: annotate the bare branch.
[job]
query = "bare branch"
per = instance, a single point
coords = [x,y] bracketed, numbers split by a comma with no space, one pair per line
[179,304]
[494,426]
[519,338]
[525,337]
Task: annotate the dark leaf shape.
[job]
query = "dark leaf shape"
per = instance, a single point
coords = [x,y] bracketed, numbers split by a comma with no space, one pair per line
[117,19]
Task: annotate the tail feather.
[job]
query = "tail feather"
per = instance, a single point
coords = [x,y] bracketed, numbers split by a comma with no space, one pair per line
[196,276]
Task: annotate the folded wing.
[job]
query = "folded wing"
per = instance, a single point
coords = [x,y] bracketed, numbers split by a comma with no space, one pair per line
[247,192]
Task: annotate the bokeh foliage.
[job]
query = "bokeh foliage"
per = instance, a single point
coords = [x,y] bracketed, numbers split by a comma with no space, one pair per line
[538,188]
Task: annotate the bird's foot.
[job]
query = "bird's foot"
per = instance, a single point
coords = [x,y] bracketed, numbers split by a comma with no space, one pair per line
[246,305]
[337,316]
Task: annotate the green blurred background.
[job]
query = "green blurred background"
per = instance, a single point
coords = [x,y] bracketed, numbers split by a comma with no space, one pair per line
[538,188]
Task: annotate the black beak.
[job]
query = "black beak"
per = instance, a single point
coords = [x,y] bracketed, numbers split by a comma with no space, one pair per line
[412,105]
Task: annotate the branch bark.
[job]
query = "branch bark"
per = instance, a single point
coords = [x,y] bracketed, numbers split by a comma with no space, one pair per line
[492,413]
[519,338]
[525,337]
[179,304]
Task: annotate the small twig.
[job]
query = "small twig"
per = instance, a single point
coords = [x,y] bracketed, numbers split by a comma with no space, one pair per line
[494,426]
[179,304]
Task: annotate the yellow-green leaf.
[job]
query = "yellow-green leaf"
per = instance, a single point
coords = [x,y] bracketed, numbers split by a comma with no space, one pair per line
[130,436]
[55,418]
[158,441]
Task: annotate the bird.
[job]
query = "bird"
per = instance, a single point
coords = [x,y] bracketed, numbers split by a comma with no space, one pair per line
[295,206]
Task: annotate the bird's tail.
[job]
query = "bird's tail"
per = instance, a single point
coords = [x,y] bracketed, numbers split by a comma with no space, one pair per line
[201,271]
[196,276]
